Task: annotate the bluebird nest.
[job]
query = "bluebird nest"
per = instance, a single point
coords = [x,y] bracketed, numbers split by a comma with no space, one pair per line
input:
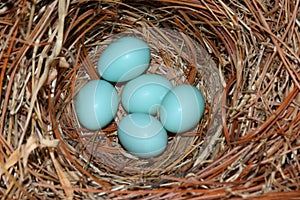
[242,55]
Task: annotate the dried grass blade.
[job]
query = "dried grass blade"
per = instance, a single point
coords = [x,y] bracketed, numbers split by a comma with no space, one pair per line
[66,185]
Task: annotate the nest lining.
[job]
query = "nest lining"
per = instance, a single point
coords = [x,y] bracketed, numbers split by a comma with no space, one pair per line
[171,53]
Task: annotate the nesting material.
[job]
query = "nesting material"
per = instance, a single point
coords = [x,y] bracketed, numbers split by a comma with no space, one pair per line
[248,72]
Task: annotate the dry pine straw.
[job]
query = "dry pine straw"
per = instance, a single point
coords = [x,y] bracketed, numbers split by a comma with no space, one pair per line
[255,45]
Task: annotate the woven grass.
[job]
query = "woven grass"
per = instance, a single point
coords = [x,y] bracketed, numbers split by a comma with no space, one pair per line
[253,48]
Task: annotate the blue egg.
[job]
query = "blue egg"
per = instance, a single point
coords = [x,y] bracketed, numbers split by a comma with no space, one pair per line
[145,93]
[142,135]
[124,59]
[96,104]
[182,108]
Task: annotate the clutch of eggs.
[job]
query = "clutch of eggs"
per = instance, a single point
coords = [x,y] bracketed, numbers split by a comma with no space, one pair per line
[153,104]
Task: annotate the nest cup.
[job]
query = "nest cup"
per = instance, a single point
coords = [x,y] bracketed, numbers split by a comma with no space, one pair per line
[180,59]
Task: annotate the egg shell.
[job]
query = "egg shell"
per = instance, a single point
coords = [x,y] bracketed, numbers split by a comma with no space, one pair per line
[96,104]
[145,93]
[124,59]
[142,135]
[182,108]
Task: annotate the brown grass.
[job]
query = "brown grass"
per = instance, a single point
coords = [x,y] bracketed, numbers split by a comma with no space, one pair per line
[254,47]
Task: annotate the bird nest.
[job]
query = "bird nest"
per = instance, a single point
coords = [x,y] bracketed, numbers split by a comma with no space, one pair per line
[178,58]
[243,56]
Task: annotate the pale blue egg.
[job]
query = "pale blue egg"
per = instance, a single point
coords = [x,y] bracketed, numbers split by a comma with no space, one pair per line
[96,104]
[142,135]
[124,59]
[145,93]
[182,108]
